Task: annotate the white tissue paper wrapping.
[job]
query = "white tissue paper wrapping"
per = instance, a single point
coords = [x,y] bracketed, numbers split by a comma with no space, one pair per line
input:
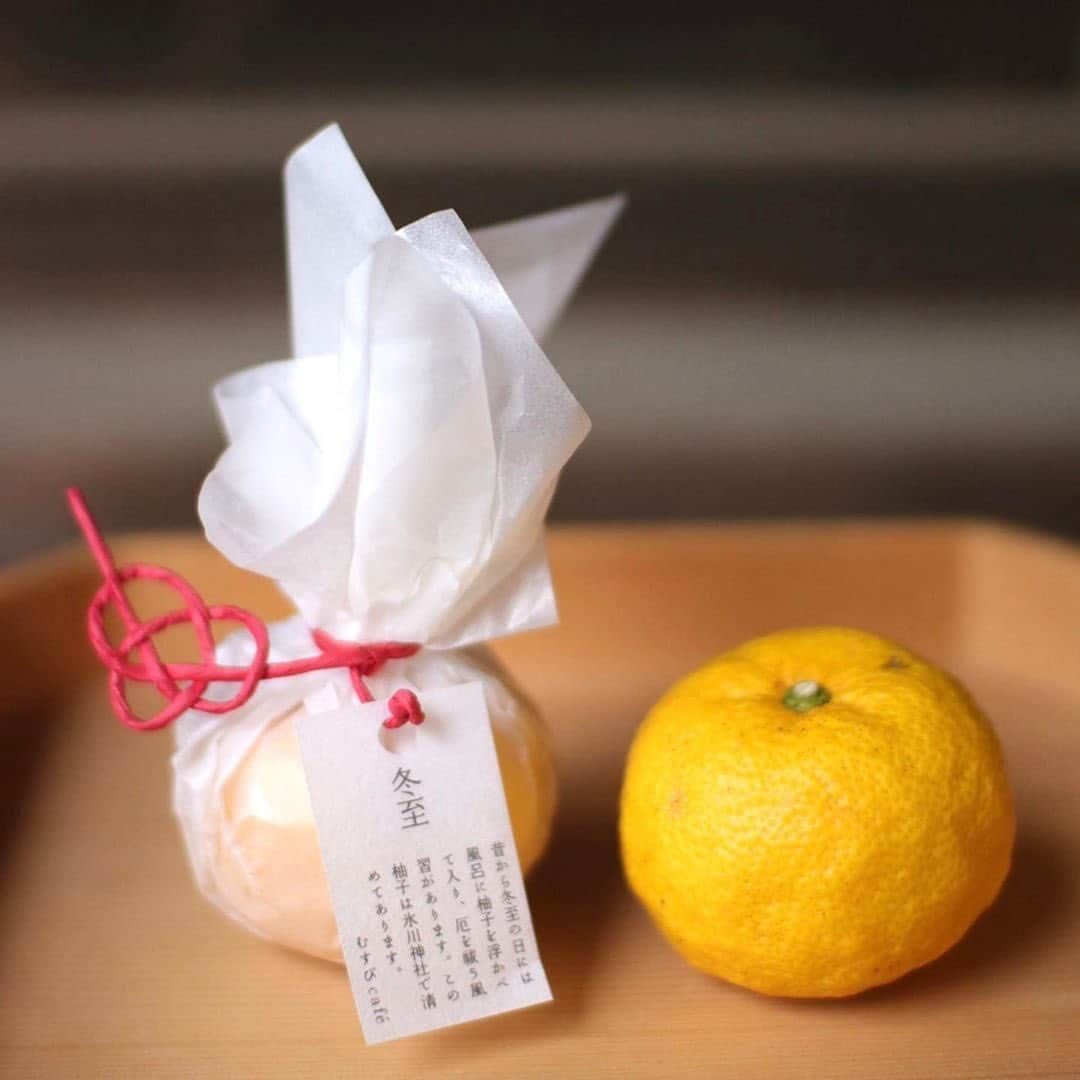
[393,478]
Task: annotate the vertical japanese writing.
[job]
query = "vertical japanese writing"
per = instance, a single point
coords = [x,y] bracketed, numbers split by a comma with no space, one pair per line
[369,973]
[512,915]
[489,945]
[452,880]
[431,899]
[414,936]
[431,906]
[463,937]
[382,913]
[411,809]
[509,902]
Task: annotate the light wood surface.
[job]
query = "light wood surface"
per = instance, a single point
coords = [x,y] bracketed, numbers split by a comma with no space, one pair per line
[112,965]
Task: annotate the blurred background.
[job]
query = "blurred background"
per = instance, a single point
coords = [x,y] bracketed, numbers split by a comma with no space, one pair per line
[848,281]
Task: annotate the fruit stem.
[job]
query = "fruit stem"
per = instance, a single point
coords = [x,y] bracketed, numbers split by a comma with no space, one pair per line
[806,695]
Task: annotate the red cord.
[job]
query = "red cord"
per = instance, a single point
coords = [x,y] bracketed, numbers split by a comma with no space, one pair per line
[360,660]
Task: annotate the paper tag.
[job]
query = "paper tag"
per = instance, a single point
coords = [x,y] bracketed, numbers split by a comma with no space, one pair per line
[424,876]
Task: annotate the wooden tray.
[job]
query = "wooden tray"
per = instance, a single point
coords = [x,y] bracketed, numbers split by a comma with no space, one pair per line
[111,964]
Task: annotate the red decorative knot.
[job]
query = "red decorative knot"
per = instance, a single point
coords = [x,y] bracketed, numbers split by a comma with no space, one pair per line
[184,685]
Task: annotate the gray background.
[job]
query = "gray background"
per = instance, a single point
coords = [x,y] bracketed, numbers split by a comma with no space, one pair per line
[838,288]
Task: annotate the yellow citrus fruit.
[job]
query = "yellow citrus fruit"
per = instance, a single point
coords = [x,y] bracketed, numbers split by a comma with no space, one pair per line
[817,812]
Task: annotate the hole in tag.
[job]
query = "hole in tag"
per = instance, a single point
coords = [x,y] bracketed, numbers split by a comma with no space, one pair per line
[396,740]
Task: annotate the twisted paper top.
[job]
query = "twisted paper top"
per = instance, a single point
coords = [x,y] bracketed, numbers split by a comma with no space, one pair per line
[394,476]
